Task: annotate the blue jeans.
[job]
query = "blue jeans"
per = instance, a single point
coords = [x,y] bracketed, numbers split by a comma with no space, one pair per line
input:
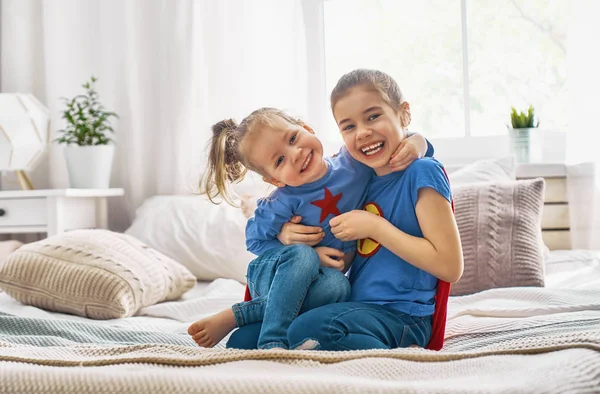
[284,282]
[357,326]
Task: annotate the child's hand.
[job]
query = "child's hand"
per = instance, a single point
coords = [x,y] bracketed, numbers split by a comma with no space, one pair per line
[410,149]
[330,257]
[353,225]
[294,233]
[248,205]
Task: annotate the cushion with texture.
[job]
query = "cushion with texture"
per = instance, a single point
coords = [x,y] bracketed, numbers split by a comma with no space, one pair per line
[500,169]
[500,231]
[93,273]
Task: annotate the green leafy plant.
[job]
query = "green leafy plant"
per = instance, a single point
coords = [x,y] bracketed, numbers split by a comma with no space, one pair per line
[87,121]
[522,120]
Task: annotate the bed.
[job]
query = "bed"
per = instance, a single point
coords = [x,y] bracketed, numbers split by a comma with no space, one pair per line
[520,339]
[521,319]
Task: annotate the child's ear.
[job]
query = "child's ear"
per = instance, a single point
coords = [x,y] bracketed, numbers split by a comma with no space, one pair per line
[404,113]
[308,128]
[273,182]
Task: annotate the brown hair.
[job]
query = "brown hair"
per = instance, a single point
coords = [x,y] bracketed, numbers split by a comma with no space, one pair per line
[226,162]
[385,85]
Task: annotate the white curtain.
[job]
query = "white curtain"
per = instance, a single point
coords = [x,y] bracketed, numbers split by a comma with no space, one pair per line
[170,69]
[583,136]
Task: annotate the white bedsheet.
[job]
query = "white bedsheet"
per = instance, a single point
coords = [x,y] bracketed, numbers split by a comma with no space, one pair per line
[204,299]
[572,286]
[573,269]
[572,292]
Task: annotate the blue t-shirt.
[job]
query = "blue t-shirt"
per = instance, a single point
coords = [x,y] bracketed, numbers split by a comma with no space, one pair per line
[379,276]
[342,189]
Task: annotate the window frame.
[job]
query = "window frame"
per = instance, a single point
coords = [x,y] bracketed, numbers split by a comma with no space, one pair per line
[452,150]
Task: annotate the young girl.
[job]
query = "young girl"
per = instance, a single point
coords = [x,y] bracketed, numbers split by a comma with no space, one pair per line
[284,281]
[409,246]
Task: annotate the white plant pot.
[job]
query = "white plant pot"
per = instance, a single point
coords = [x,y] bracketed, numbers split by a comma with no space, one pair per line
[89,166]
[520,144]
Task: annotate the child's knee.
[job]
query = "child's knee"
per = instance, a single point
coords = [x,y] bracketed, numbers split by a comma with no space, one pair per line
[303,252]
[344,290]
[337,285]
[303,257]
[340,289]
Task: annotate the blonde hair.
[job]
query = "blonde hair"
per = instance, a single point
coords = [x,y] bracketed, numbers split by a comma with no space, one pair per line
[226,162]
[384,84]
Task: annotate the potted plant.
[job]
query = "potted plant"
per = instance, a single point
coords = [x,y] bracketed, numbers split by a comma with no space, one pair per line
[520,133]
[89,147]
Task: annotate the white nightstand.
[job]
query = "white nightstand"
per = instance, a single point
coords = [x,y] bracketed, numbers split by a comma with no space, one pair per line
[54,211]
[556,229]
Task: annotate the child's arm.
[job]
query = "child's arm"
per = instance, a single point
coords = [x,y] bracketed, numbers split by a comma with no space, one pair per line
[413,147]
[263,232]
[293,232]
[332,258]
[262,229]
[439,252]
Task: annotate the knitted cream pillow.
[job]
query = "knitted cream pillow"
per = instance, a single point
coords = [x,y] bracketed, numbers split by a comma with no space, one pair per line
[93,273]
[501,234]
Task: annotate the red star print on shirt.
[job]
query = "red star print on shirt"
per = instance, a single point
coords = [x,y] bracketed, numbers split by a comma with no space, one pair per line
[328,204]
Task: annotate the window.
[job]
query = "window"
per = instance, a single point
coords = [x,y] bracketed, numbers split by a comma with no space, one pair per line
[515,50]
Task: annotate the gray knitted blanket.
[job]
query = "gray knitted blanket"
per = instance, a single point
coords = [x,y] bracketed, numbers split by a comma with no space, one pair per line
[38,355]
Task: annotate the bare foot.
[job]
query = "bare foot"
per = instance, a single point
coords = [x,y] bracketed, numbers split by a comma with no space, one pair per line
[211,330]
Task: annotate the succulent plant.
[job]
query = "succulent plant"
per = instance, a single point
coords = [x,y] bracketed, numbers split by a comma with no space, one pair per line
[522,120]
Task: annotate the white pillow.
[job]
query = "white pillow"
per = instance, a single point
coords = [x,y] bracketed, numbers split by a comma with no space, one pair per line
[501,169]
[207,239]
[252,185]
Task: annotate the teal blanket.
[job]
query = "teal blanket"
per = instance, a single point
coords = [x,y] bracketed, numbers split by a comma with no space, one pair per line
[61,332]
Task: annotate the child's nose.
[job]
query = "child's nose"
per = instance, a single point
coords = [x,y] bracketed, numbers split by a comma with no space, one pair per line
[297,154]
[364,132]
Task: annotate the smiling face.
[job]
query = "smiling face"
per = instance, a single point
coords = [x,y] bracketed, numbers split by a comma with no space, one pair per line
[285,153]
[371,128]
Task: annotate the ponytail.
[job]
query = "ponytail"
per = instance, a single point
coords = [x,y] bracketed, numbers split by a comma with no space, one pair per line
[224,161]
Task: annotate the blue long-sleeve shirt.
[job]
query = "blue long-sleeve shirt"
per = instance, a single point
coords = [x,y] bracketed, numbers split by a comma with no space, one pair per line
[341,190]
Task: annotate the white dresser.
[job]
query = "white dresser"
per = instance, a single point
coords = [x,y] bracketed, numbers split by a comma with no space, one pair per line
[53,211]
[555,219]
